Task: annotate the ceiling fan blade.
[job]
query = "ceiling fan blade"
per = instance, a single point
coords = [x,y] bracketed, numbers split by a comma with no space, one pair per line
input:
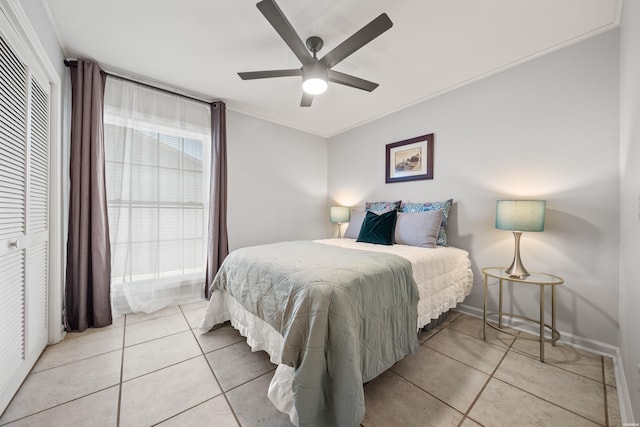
[250,75]
[306,100]
[281,24]
[348,80]
[363,36]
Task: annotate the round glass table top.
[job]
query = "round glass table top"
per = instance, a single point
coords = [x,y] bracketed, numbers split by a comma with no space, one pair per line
[534,278]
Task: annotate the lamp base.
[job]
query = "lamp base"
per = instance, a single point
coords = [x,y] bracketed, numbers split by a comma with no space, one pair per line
[516,269]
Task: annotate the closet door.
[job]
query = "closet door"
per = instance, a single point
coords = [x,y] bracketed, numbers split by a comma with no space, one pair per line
[37,237]
[24,227]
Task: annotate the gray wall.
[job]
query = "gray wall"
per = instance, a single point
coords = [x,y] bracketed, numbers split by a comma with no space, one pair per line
[546,129]
[630,199]
[277,182]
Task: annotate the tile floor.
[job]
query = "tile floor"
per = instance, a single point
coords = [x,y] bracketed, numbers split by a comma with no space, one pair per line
[157,370]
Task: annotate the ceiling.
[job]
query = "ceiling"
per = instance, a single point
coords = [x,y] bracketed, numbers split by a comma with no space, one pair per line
[198,46]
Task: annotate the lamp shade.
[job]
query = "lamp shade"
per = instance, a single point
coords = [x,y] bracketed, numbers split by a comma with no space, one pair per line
[520,215]
[339,214]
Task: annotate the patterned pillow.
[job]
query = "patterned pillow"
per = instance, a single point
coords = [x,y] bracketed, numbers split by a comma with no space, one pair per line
[432,206]
[379,207]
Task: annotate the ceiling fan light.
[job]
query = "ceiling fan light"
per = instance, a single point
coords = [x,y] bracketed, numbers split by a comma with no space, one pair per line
[314,86]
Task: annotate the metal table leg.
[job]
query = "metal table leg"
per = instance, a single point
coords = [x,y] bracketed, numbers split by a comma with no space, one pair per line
[500,307]
[542,323]
[484,316]
[553,315]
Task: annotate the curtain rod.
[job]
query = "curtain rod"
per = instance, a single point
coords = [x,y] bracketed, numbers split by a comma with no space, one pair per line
[74,64]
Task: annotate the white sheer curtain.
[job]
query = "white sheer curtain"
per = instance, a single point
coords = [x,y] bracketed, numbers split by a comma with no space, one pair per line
[157,157]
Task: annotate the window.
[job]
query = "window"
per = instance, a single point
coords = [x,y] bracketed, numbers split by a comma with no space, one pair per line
[157,167]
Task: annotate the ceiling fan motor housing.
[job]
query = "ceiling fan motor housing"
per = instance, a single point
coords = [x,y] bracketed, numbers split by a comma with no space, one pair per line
[315,70]
[314,44]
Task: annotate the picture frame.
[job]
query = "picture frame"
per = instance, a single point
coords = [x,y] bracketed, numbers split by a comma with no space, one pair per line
[410,160]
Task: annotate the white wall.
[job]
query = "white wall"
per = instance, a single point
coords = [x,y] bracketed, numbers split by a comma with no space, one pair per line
[630,199]
[277,182]
[39,20]
[546,129]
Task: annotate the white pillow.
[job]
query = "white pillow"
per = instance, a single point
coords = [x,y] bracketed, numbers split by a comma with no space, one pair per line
[355,224]
[418,228]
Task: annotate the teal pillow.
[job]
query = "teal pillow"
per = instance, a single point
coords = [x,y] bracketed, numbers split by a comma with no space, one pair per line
[378,229]
[432,206]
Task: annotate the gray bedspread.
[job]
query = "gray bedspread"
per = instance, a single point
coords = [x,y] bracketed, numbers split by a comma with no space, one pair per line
[345,316]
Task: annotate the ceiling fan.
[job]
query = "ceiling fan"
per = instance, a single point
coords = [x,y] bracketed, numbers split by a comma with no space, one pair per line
[316,72]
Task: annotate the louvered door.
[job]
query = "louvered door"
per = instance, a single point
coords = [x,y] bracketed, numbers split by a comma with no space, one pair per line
[37,238]
[24,216]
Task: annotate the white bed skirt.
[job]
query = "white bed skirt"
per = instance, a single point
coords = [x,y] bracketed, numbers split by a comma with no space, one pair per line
[260,336]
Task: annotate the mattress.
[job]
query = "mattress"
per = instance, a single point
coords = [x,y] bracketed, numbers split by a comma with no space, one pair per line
[442,274]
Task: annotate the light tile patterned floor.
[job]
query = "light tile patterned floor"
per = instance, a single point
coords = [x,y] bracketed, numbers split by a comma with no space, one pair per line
[157,369]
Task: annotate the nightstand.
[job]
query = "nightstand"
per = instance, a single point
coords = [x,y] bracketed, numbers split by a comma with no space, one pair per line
[540,279]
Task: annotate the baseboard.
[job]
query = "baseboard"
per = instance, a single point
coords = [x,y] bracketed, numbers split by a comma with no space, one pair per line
[565,337]
[626,410]
[608,350]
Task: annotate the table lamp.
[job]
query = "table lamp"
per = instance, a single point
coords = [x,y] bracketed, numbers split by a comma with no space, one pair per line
[339,215]
[519,216]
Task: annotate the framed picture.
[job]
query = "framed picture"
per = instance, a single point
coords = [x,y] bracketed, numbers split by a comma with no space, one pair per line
[410,160]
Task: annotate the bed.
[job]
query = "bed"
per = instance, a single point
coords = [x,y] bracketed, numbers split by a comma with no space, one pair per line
[333,314]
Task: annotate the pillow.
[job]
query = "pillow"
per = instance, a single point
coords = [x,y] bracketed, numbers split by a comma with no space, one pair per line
[378,229]
[382,206]
[357,217]
[418,228]
[355,223]
[433,206]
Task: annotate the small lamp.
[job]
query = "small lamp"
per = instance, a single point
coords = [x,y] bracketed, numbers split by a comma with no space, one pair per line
[338,215]
[519,216]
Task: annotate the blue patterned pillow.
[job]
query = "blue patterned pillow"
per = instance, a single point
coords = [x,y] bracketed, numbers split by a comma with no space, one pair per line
[382,206]
[432,206]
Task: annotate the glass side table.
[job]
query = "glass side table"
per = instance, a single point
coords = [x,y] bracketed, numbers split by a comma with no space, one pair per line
[540,279]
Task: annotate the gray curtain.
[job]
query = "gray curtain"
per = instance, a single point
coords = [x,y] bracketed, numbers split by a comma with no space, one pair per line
[218,246]
[88,278]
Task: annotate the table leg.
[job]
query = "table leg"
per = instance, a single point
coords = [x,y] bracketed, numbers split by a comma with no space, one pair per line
[542,323]
[500,307]
[553,315]
[484,315]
